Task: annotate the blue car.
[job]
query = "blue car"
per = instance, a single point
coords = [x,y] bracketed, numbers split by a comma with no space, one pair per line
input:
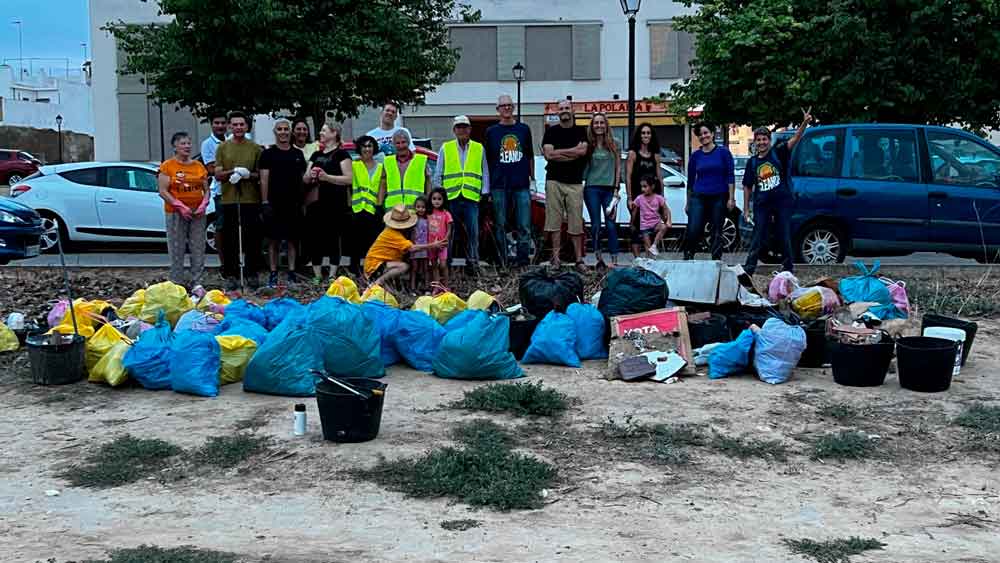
[20,230]
[885,189]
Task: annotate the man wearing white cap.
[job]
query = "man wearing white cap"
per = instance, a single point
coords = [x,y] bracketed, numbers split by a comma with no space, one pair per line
[460,172]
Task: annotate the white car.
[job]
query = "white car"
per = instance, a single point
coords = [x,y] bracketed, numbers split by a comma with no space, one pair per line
[98,202]
[675,193]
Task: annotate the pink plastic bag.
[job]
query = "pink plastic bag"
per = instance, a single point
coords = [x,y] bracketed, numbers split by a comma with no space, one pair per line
[897,290]
[781,286]
[57,313]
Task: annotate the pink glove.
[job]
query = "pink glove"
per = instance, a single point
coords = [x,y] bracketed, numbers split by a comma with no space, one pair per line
[201,208]
[184,210]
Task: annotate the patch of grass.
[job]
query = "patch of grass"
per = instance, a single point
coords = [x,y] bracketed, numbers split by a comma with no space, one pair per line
[521,399]
[832,551]
[483,472]
[228,451]
[252,423]
[460,525]
[748,448]
[980,418]
[658,443]
[153,554]
[848,444]
[841,412]
[125,460]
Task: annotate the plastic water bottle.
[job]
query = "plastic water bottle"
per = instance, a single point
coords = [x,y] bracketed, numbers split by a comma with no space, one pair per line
[15,321]
[300,420]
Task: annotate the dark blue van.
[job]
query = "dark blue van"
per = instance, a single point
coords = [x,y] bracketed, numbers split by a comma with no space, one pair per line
[883,189]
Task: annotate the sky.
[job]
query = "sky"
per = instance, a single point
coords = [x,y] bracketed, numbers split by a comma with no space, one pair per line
[51,29]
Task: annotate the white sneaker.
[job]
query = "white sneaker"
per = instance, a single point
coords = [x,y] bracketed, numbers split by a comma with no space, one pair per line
[654,251]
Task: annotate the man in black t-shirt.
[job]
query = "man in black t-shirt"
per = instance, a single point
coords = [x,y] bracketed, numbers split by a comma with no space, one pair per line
[565,149]
[281,169]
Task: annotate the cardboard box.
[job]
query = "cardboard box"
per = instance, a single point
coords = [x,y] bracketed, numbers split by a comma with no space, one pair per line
[698,281]
[660,330]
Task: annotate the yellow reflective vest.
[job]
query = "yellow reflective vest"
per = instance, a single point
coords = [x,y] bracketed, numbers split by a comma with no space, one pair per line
[364,195]
[459,180]
[410,187]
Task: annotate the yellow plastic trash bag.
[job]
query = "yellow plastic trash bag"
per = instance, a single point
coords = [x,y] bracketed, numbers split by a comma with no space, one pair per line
[88,313]
[236,353]
[110,369]
[85,330]
[378,293]
[132,307]
[345,288]
[423,303]
[8,340]
[168,297]
[100,344]
[213,297]
[480,300]
[446,306]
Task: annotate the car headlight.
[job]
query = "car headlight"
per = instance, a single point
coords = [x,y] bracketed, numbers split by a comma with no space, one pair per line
[6,217]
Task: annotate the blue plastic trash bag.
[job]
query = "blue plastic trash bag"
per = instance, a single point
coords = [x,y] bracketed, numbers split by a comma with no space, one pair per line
[284,364]
[460,320]
[148,360]
[589,324]
[194,363]
[243,327]
[197,321]
[384,318]
[731,358]
[243,309]
[554,342]
[866,287]
[417,339]
[777,349]
[478,349]
[350,342]
[275,311]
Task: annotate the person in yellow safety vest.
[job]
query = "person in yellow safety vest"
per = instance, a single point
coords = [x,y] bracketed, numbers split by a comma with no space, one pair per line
[406,174]
[367,195]
[464,174]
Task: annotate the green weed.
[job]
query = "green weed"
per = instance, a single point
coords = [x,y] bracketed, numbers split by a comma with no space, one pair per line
[748,448]
[848,444]
[460,525]
[659,443]
[980,418]
[521,399]
[228,451]
[832,551]
[841,412]
[125,460]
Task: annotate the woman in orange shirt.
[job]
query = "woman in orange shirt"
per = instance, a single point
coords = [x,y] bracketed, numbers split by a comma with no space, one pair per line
[183,184]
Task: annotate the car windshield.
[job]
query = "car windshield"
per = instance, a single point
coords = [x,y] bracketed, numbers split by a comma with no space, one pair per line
[26,156]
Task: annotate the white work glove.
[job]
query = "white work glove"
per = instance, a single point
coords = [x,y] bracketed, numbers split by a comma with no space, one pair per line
[235,178]
[242,171]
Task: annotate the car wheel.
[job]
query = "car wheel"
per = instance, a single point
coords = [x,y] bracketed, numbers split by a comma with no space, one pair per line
[730,234]
[210,234]
[822,243]
[53,229]
[14,179]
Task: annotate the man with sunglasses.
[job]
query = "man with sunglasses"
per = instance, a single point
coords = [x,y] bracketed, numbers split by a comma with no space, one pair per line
[511,157]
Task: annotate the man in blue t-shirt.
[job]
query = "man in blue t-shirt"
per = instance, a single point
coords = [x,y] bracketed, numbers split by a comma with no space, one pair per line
[511,158]
[766,177]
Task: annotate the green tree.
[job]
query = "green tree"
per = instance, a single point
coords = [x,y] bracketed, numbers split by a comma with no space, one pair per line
[911,61]
[303,56]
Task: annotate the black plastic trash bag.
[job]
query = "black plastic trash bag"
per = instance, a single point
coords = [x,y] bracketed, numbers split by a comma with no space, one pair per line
[628,291]
[542,291]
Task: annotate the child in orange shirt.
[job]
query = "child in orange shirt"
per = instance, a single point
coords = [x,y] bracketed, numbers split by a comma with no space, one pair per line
[385,257]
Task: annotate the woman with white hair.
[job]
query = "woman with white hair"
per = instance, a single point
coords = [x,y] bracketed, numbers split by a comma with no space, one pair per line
[328,199]
[281,169]
[183,185]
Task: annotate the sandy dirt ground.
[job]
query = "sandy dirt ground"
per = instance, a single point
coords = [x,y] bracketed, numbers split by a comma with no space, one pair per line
[303,508]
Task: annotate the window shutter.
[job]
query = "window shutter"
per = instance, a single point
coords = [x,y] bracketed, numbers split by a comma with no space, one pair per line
[663,52]
[587,52]
[510,50]
[478,53]
[685,50]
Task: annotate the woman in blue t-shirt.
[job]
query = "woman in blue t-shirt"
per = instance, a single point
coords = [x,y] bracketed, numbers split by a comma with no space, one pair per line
[711,192]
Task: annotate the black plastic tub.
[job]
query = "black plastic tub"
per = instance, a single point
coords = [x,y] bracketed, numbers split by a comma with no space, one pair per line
[347,417]
[968,326]
[742,320]
[925,363]
[56,359]
[706,331]
[861,365]
[818,352]
[521,331]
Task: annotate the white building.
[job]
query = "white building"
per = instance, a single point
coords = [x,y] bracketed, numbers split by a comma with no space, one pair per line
[36,99]
[568,48]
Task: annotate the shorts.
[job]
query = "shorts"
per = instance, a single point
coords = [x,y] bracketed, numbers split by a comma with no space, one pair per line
[285,224]
[648,232]
[437,255]
[377,273]
[563,202]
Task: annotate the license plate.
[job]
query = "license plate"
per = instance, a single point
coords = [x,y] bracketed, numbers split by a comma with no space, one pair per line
[33,250]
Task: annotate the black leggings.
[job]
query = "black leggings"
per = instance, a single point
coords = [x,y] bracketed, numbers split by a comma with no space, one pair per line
[329,233]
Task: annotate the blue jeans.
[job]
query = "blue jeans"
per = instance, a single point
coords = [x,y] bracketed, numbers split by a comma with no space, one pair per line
[520,200]
[778,210]
[466,216]
[597,199]
[704,208]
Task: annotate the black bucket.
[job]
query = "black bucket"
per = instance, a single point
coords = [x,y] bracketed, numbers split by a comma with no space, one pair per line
[347,417]
[706,331]
[818,352]
[861,365]
[520,335]
[738,322]
[56,364]
[925,363]
[968,326]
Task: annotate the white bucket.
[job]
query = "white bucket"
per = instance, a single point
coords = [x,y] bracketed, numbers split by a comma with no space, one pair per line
[949,333]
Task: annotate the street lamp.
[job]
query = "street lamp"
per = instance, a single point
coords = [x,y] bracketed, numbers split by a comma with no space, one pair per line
[631,8]
[518,71]
[59,120]
[20,49]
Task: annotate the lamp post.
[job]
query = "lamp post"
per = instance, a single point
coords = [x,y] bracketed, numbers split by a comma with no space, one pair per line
[20,49]
[59,120]
[518,71]
[631,8]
